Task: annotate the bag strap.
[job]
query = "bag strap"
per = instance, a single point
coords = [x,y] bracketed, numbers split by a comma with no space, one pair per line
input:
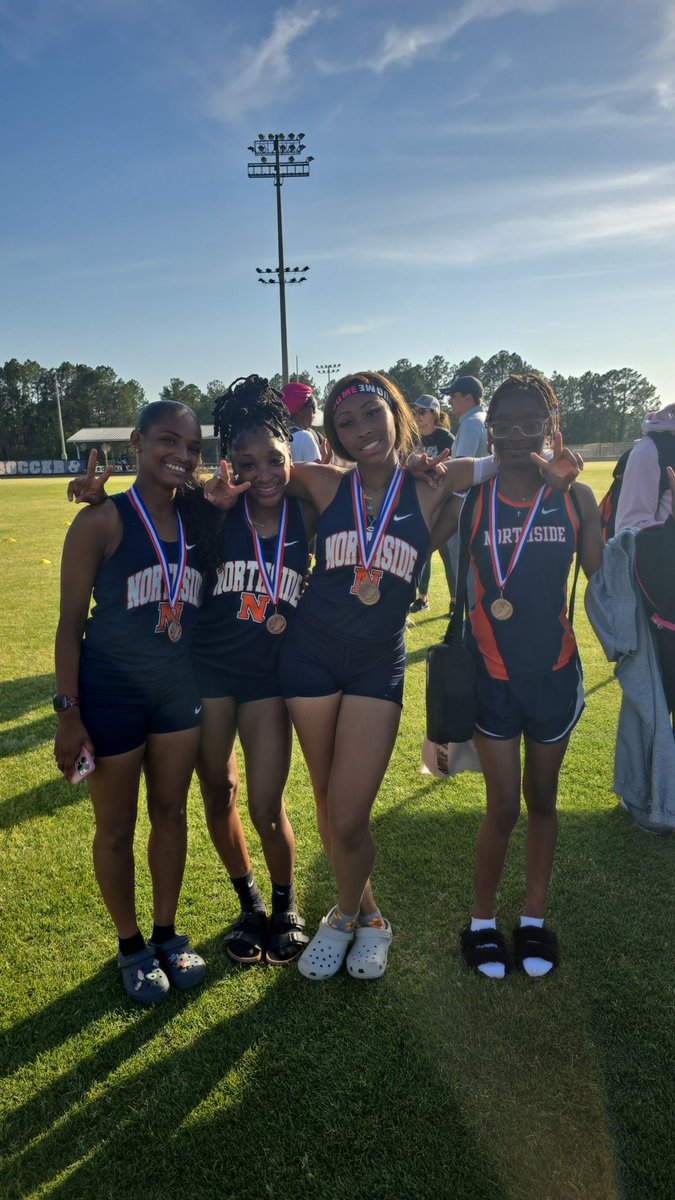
[580,546]
[461,596]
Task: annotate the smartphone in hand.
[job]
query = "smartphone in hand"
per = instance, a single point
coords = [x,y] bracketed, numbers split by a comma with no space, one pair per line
[84,766]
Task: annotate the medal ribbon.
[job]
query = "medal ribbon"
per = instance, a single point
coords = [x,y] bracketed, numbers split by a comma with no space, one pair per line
[172,589]
[522,536]
[367,551]
[271,584]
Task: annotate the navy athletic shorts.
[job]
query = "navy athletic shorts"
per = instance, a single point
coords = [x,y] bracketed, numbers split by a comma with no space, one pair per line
[317,662]
[544,707]
[119,716]
[236,683]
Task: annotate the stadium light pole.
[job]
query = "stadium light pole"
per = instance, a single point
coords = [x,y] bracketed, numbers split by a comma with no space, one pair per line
[57,390]
[328,369]
[276,159]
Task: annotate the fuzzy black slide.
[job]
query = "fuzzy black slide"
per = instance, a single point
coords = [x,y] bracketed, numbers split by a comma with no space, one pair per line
[480,946]
[530,941]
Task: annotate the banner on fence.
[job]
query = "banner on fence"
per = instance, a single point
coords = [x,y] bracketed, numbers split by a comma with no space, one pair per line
[42,466]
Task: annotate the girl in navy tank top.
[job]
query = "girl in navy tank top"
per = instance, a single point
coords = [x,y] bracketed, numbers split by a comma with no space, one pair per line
[127,694]
[343,659]
[248,607]
[529,683]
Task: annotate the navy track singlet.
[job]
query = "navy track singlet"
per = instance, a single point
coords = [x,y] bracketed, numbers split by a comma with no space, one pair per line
[232,622]
[330,600]
[538,636]
[127,630]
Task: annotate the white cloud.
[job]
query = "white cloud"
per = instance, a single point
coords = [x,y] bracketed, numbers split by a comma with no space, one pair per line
[254,80]
[363,327]
[405,45]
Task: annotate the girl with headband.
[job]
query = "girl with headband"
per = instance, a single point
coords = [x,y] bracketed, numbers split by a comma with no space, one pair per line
[126,692]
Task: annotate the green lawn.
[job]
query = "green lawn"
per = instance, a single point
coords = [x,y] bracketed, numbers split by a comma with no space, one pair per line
[429,1083]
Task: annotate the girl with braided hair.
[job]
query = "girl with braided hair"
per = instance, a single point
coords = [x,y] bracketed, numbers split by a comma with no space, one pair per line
[247,607]
[529,682]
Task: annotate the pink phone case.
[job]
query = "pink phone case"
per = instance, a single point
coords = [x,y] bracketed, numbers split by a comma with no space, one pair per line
[83,766]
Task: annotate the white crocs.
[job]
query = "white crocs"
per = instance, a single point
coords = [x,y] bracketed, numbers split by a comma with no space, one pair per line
[367,958]
[326,952]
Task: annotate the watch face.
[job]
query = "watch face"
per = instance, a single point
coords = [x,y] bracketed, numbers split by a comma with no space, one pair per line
[61,703]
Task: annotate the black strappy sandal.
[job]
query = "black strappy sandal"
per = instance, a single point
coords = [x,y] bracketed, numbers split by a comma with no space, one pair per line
[286,938]
[246,939]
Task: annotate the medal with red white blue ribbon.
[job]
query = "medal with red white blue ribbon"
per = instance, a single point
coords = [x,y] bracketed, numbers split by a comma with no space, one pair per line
[174,628]
[501,608]
[276,623]
[367,591]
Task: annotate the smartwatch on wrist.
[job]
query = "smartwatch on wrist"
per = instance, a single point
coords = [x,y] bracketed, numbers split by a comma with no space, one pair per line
[62,703]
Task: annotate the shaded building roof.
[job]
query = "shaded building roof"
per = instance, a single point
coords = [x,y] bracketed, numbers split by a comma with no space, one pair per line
[114,433]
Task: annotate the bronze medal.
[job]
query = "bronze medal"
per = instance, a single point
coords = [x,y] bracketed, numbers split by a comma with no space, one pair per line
[368,592]
[276,623]
[175,630]
[501,609]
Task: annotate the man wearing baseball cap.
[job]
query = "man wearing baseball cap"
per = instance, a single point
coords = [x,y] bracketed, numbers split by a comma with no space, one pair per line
[300,402]
[466,401]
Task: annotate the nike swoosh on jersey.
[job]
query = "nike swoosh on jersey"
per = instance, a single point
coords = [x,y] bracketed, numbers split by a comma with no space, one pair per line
[191,547]
[404,517]
[291,543]
[546,511]
[198,710]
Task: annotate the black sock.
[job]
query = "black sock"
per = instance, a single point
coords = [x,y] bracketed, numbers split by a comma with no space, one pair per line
[133,944]
[250,896]
[162,933]
[283,897]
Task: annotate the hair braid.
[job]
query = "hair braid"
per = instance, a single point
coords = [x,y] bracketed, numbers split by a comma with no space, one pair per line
[249,403]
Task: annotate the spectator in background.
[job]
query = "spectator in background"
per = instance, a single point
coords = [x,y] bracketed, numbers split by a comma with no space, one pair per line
[435,436]
[305,442]
[645,497]
[465,394]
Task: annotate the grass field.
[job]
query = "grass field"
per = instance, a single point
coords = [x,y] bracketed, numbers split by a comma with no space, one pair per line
[429,1083]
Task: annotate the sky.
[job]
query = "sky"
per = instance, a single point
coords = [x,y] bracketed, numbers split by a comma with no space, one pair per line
[486,175]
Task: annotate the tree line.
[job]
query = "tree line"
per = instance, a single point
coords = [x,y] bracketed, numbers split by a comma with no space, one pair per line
[594,407]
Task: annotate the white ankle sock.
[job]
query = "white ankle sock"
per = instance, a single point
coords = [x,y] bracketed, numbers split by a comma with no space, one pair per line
[535,967]
[493,970]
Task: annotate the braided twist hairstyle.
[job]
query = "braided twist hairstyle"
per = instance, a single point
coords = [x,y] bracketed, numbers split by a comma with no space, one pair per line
[249,403]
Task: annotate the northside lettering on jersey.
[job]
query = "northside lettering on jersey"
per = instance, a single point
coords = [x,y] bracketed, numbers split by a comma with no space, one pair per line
[509,535]
[147,586]
[394,555]
[243,576]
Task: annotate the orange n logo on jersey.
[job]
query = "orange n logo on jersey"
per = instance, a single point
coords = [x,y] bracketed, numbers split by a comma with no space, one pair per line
[362,576]
[166,615]
[252,607]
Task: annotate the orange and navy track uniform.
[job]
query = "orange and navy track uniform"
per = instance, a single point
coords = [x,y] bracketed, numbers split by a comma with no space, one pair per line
[529,675]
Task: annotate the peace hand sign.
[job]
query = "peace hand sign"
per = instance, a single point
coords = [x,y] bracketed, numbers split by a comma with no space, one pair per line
[90,488]
[432,470]
[561,470]
[221,489]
